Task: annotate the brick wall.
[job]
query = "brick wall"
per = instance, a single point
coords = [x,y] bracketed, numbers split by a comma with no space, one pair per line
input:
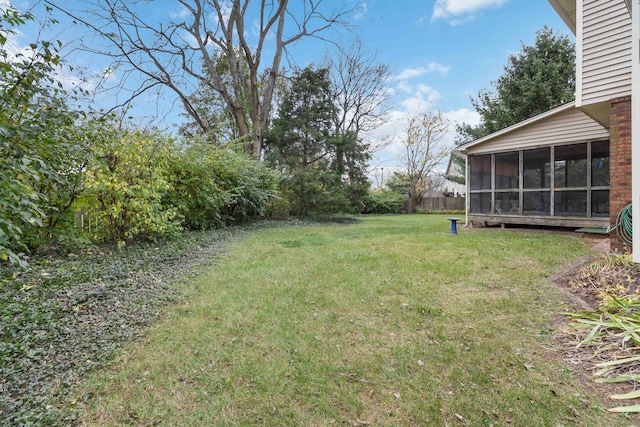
[620,169]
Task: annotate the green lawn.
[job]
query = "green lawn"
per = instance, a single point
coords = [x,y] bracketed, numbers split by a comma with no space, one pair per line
[390,321]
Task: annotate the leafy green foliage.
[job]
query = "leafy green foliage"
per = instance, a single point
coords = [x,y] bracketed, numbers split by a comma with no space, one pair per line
[64,316]
[459,162]
[350,167]
[213,187]
[124,186]
[56,164]
[383,202]
[399,182]
[70,154]
[40,158]
[536,79]
[323,169]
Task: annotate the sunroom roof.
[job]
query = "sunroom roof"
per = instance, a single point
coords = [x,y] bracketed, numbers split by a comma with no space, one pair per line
[520,125]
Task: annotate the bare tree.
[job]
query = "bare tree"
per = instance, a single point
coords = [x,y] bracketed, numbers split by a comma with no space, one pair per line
[360,87]
[251,35]
[424,151]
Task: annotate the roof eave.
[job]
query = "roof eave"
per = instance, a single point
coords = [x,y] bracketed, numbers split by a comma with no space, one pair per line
[517,126]
[455,152]
[567,12]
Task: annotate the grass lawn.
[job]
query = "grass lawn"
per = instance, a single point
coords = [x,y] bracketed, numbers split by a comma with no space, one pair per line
[390,321]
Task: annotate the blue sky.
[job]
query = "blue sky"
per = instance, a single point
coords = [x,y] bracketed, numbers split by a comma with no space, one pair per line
[440,52]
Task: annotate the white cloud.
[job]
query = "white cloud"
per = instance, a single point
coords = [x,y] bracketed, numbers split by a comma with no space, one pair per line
[181,14]
[360,11]
[404,86]
[457,12]
[189,39]
[390,156]
[434,66]
[412,97]
[408,73]
[464,115]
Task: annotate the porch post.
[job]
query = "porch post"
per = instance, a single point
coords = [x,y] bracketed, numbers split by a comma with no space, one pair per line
[467,198]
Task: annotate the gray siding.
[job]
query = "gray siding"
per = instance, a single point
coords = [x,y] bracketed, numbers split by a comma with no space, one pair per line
[566,127]
[606,51]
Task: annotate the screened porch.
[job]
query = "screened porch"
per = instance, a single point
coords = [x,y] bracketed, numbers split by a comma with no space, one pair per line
[560,185]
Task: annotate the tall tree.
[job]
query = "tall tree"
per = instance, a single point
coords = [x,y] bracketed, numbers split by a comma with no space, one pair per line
[251,36]
[535,80]
[221,127]
[424,151]
[302,143]
[359,87]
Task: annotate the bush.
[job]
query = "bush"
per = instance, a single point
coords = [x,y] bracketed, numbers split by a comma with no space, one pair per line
[383,202]
[38,155]
[124,186]
[278,208]
[212,187]
[70,151]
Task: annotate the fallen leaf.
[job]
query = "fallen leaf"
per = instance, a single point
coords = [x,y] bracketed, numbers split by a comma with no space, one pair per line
[461,418]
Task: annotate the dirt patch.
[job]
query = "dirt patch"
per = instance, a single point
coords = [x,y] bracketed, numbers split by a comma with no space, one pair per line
[562,280]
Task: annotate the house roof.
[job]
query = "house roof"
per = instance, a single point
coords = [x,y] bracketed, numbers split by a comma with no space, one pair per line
[566,9]
[517,126]
[454,153]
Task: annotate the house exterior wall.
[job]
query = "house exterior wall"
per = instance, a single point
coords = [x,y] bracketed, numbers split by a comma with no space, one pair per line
[455,169]
[566,127]
[455,188]
[603,51]
[620,167]
[635,130]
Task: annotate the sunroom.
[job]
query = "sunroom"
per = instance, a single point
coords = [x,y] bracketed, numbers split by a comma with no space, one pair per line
[550,170]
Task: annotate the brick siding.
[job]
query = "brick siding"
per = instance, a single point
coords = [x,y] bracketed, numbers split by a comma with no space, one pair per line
[620,168]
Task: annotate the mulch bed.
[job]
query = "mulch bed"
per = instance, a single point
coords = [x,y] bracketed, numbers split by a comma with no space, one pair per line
[583,282]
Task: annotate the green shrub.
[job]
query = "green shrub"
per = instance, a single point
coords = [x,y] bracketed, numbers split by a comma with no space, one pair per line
[38,153]
[278,208]
[69,153]
[383,202]
[212,187]
[124,187]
